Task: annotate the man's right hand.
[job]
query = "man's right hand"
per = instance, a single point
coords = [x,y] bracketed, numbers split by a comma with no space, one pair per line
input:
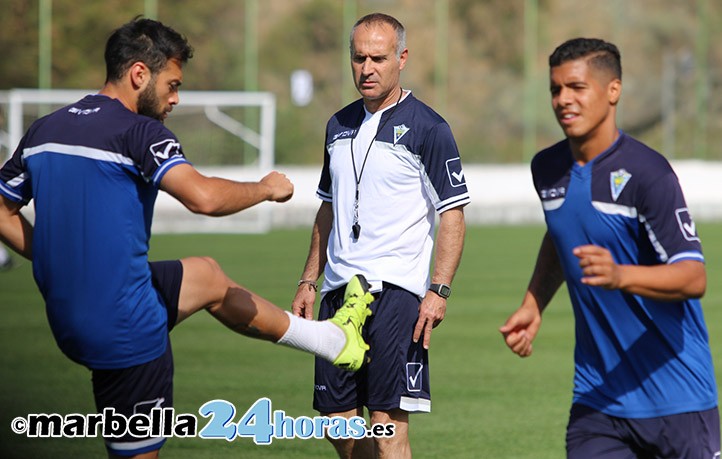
[521,328]
[302,304]
[279,186]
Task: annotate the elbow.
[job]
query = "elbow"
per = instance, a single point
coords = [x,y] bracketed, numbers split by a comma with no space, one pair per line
[697,288]
[206,209]
[202,204]
[697,285]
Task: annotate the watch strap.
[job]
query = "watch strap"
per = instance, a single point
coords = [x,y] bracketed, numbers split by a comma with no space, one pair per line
[443,290]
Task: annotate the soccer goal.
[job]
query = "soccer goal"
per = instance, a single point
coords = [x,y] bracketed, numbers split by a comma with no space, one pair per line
[228,134]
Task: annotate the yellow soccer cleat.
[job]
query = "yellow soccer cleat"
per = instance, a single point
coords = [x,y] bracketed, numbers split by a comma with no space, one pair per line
[351,318]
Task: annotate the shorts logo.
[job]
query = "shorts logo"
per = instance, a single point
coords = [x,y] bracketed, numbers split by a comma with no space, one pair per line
[413,376]
[455,172]
[618,180]
[686,224]
[163,150]
[399,132]
[146,406]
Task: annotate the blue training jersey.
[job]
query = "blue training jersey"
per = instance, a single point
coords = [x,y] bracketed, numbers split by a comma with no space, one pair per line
[93,170]
[634,357]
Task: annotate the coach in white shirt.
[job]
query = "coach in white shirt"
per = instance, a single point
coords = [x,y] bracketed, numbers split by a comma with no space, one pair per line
[391,165]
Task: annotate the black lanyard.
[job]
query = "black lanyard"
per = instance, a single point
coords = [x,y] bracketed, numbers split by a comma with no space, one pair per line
[356,228]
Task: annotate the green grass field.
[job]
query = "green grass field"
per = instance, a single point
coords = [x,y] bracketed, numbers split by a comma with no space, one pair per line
[487,403]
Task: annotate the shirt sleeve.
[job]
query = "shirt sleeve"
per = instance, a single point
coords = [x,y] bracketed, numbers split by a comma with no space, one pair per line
[442,164]
[324,191]
[669,223]
[154,149]
[15,183]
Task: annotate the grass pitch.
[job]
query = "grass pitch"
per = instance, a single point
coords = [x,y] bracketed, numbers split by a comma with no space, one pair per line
[487,403]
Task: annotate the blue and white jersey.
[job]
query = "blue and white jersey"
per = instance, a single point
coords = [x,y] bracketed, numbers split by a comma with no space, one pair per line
[93,170]
[409,169]
[634,357]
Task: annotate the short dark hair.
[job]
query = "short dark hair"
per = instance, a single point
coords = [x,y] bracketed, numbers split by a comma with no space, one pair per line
[381,18]
[600,54]
[147,41]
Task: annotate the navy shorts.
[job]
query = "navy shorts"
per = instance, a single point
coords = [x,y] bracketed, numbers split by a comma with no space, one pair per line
[167,277]
[141,388]
[398,374]
[694,435]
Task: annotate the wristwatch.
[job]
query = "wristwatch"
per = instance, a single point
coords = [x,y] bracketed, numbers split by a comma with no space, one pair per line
[443,290]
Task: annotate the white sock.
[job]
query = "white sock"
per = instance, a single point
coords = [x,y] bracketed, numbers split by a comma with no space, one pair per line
[4,255]
[324,339]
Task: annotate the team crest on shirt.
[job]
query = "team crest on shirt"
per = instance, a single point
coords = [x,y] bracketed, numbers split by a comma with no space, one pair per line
[399,131]
[413,376]
[618,180]
[164,150]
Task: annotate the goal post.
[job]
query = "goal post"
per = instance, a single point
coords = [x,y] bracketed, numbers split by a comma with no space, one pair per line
[225,133]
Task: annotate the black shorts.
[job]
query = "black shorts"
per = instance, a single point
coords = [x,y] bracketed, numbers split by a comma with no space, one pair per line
[398,374]
[138,389]
[592,434]
[167,277]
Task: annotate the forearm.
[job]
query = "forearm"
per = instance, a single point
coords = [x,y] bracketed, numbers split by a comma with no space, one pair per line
[15,230]
[449,246]
[673,282]
[218,197]
[547,277]
[316,260]
[663,282]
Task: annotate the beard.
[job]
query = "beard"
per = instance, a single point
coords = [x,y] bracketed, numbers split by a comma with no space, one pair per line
[149,104]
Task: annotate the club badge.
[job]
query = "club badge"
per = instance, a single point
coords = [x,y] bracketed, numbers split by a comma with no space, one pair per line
[618,180]
[399,132]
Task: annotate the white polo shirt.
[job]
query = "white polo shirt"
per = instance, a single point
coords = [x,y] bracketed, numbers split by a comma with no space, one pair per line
[412,172]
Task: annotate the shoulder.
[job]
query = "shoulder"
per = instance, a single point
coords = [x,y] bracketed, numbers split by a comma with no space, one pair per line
[637,159]
[552,159]
[420,128]
[643,153]
[350,114]
[420,112]
[344,122]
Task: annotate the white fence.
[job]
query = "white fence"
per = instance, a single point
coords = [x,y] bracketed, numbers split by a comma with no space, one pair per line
[500,194]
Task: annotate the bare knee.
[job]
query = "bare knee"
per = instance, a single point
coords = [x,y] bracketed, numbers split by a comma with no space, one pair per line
[348,448]
[204,285]
[211,265]
[396,445]
[361,448]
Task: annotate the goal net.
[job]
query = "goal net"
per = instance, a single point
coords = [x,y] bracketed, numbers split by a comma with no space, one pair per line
[228,134]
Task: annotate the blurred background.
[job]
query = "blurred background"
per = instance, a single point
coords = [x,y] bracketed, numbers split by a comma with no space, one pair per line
[482,64]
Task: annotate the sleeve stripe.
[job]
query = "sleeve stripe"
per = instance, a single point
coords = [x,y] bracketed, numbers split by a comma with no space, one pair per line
[456,201]
[10,193]
[165,167]
[324,196]
[686,256]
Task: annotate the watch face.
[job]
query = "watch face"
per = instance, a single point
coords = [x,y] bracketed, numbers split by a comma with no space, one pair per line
[445,291]
[442,290]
